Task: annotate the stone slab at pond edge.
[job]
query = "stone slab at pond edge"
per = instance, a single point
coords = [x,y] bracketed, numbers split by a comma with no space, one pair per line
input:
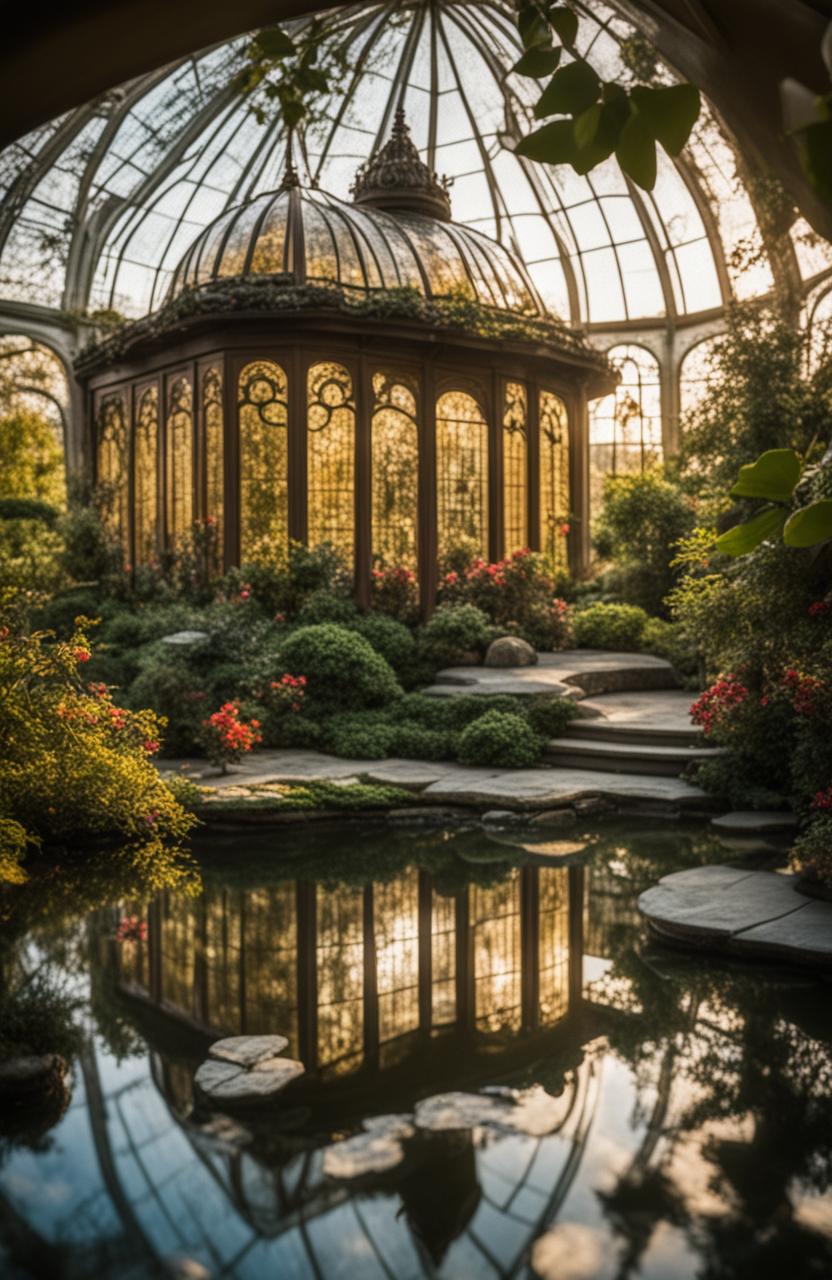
[753,914]
[243,1071]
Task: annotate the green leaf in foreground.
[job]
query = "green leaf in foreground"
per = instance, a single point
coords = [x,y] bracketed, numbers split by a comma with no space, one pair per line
[810,525]
[571,90]
[773,476]
[537,62]
[670,113]
[745,537]
[552,144]
[636,152]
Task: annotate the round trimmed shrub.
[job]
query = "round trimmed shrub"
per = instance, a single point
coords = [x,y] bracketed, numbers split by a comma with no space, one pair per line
[454,632]
[499,738]
[342,669]
[392,640]
[463,709]
[610,626]
[549,715]
[327,606]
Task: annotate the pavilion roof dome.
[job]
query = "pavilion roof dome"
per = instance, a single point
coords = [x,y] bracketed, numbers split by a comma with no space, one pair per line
[396,234]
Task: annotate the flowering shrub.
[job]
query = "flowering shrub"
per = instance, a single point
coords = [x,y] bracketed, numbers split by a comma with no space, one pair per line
[804,690]
[285,694]
[714,709]
[395,592]
[342,669]
[226,738]
[131,929]
[74,764]
[517,594]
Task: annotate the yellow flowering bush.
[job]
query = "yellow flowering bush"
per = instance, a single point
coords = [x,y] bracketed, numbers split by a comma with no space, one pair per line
[73,765]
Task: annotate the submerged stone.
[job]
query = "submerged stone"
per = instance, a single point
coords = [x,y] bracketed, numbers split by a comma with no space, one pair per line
[376,1150]
[530,1111]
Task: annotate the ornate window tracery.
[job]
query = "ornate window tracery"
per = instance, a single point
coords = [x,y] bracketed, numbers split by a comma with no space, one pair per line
[625,427]
[330,423]
[112,463]
[395,470]
[554,479]
[146,477]
[263,400]
[515,463]
[179,476]
[461,472]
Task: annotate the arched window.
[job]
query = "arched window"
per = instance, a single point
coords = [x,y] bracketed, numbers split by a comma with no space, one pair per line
[515,460]
[461,472]
[695,374]
[330,424]
[179,479]
[395,470]
[263,400]
[212,447]
[112,462]
[554,480]
[146,477]
[625,428]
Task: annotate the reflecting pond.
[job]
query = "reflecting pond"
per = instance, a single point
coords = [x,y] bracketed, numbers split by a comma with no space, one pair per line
[688,1109]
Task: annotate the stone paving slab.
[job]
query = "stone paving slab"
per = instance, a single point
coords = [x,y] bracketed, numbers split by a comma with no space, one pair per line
[750,822]
[747,913]
[654,710]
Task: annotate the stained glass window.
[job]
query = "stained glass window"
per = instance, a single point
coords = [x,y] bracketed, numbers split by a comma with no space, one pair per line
[179,479]
[461,471]
[515,493]
[553,943]
[146,476]
[395,470]
[331,457]
[263,398]
[340,967]
[112,455]
[213,452]
[554,479]
[625,427]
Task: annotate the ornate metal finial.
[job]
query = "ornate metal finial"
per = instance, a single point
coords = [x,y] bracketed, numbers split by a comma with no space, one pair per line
[397,178]
[290,174]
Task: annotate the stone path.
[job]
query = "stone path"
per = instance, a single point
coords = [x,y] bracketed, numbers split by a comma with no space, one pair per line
[753,914]
[449,783]
[573,673]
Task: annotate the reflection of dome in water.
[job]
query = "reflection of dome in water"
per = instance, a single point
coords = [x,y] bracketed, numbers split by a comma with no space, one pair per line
[396,234]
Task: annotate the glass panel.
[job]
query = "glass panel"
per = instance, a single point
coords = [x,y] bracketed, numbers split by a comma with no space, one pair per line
[214,453]
[268,929]
[263,399]
[461,471]
[554,480]
[696,374]
[395,464]
[180,459]
[553,953]
[112,459]
[331,457]
[340,964]
[267,258]
[443,960]
[515,494]
[396,926]
[495,930]
[625,428]
[146,477]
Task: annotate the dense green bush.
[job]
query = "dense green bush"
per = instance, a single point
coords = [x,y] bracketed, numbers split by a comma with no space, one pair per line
[642,519]
[670,640]
[618,627]
[413,741]
[499,738]
[394,641]
[326,605]
[549,715]
[362,735]
[38,1018]
[342,669]
[455,633]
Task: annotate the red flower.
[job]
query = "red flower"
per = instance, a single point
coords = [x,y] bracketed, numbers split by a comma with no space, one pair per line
[82,655]
[822,799]
[150,746]
[819,608]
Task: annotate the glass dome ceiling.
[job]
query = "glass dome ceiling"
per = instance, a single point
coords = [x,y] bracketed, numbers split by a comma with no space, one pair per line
[99,207]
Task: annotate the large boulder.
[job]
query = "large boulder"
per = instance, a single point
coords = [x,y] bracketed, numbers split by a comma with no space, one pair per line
[510,651]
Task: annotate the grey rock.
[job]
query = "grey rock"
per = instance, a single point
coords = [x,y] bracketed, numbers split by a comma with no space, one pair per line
[530,1111]
[498,817]
[510,651]
[185,637]
[376,1150]
[247,1051]
[211,1074]
[30,1074]
[244,1088]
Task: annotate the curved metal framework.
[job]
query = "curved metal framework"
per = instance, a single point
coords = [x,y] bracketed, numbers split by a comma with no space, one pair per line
[99,207]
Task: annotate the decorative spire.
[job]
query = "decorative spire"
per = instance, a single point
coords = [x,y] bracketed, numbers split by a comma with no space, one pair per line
[290,174]
[396,178]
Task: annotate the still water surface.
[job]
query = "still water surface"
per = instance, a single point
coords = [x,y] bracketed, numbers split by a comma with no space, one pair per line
[694,1117]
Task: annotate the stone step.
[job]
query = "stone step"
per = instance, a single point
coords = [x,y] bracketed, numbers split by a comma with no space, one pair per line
[638,735]
[623,757]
